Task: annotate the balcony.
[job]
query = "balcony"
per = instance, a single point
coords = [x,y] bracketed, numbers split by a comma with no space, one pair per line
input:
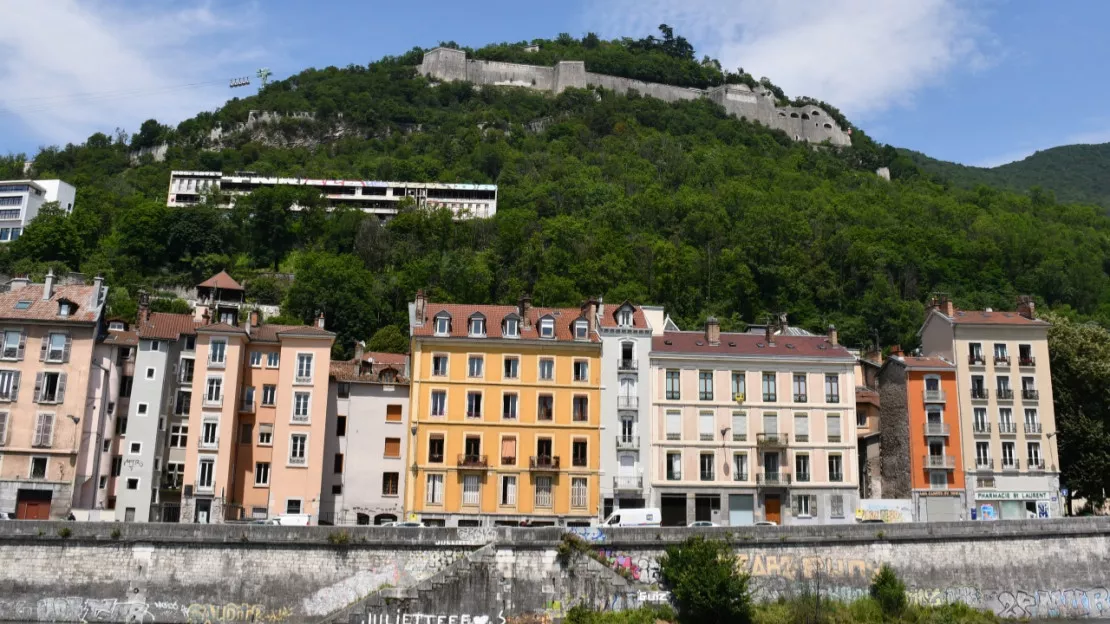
[1030,395]
[836,477]
[947,462]
[832,398]
[298,461]
[504,415]
[628,442]
[435,458]
[544,463]
[628,484]
[1035,464]
[1007,428]
[627,365]
[1014,464]
[674,475]
[1001,360]
[302,380]
[976,359]
[801,477]
[217,363]
[1027,360]
[936,429]
[579,462]
[247,408]
[983,463]
[473,461]
[1033,428]
[773,479]
[772,440]
[801,398]
[980,394]
[1005,394]
[170,483]
[934,396]
[508,461]
[740,476]
[770,397]
[981,428]
[628,402]
[208,443]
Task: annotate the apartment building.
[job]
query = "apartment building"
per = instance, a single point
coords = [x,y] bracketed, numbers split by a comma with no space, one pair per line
[625,331]
[750,427]
[20,201]
[50,334]
[505,408]
[1004,396]
[868,365]
[257,421]
[466,201]
[921,447]
[368,423]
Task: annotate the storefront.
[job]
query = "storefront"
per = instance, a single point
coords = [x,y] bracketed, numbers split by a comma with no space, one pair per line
[1015,505]
[939,505]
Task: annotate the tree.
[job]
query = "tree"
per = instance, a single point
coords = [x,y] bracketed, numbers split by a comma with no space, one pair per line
[889,591]
[266,221]
[338,287]
[390,340]
[51,236]
[705,582]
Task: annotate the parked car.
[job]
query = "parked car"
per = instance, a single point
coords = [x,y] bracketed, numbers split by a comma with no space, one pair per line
[646,517]
[766,523]
[873,521]
[702,523]
[7,515]
[408,524]
[291,520]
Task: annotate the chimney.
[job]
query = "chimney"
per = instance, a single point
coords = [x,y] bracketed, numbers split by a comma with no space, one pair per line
[873,355]
[589,309]
[255,319]
[600,306]
[834,337]
[48,285]
[320,321]
[895,350]
[769,334]
[360,348]
[421,306]
[524,308]
[98,289]
[1026,307]
[947,307]
[144,306]
[712,331]
[19,281]
[783,324]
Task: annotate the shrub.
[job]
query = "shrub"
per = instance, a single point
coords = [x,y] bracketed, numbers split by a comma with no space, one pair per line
[65,532]
[116,534]
[339,538]
[889,591]
[705,582]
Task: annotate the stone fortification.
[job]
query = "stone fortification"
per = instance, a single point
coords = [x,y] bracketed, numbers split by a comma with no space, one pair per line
[802,123]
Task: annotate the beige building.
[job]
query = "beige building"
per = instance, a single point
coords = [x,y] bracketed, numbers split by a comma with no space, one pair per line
[1007,423]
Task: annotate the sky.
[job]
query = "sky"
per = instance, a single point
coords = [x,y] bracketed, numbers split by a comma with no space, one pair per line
[980,82]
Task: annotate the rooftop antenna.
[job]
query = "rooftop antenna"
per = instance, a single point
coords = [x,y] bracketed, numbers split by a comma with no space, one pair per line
[264,75]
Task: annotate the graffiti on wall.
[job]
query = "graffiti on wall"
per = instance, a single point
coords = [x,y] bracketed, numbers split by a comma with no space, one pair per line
[641,567]
[76,609]
[793,567]
[590,534]
[400,617]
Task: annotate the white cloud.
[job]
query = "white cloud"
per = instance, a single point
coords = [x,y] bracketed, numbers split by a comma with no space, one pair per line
[862,56]
[130,63]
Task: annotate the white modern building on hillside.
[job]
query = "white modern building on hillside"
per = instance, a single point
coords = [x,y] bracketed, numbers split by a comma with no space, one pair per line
[20,201]
[466,201]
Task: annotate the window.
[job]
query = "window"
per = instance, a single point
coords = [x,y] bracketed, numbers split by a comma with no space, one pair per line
[739,386]
[705,463]
[674,466]
[477,328]
[44,431]
[1031,423]
[337,489]
[443,324]
[800,394]
[543,492]
[213,391]
[770,391]
[624,318]
[983,455]
[273,359]
[581,330]
[392,447]
[474,366]
[512,328]
[705,426]
[246,433]
[387,375]
[4,428]
[121,426]
[50,387]
[508,451]
[181,403]
[578,492]
[739,426]
[298,443]
[209,433]
[301,402]
[804,506]
[56,348]
[13,345]
[1004,390]
[705,385]
[247,404]
[393,412]
[439,365]
[673,387]
[265,434]
[179,436]
[740,466]
[509,405]
[512,368]
[435,449]
[304,368]
[508,490]
[343,390]
[547,328]
[103,482]
[861,418]
[439,402]
[471,490]
[256,359]
[836,505]
[1006,420]
[117,465]
[1034,454]
[832,388]
[190,343]
[206,473]
[581,370]
[217,352]
[545,410]
[1025,355]
[975,353]
[132,484]
[836,468]
[337,463]
[434,490]
[1001,356]
[150,372]
[581,411]
[9,385]
[979,422]
[185,374]
[125,383]
[293,506]
[269,395]
[674,425]
[834,427]
[801,427]
[261,474]
[547,369]
[1008,455]
[578,456]
[391,483]
[801,468]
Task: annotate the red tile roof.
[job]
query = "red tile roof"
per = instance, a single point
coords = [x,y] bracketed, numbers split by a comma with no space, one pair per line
[750,345]
[348,370]
[924,362]
[167,326]
[866,395]
[273,333]
[38,309]
[609,318]
[495,314]
[220,328]
[982,317]
[220,280]
[125,338]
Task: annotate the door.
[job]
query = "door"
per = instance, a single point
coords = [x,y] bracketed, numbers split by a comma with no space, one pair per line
[204,510]
[772,508]
[33,505]
[741,509]
[943,509]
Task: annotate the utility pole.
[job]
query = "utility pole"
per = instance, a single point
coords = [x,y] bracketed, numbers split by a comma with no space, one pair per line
[264,75]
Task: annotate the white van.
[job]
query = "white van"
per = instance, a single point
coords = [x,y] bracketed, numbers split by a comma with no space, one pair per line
[647,517]
[291,520]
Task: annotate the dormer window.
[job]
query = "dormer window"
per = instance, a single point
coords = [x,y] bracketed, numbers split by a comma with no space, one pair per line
[388,375]
[477,326]
[116,326]
[624,318]
[547,327]
[443,324]
[65,308]
[512,327]
[581,330]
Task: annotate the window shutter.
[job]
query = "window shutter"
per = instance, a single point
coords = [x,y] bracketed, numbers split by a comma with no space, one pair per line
[42,349]
[38,387]
[796,505]
[3,428]
[22,345]
[68,347]
[15,386]
[61,396]
[47,429]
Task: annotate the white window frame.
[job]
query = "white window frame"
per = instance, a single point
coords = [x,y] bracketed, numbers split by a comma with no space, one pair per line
[127,483]
[442,324]
[290,456]
[581,330]
[307,417]
[585,364]
[476,327]
[512,328]
[507,496]
[299,375]
[579,492]
[263,482]
[50,347]
[300,505]
[547,328]
[446,365]
[432,403]
[471,358]
[134,448]
[273,359]
[540,367]
[211,460]
[273,395]
[434,495]
[213,352]
[515,359]
[256,359]
[142,409]
[45,469]
[270,434]
[14,348]
[207,399]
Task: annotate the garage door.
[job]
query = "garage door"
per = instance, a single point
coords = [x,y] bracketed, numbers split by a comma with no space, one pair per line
[741,509]
[942,509]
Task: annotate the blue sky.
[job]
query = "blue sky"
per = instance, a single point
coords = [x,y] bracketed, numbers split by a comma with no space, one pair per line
[981,83]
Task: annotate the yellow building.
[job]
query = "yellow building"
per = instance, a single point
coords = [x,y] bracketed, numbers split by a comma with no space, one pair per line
[506,414]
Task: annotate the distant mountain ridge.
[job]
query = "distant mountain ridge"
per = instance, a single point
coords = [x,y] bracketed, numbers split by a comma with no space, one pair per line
[1074,173]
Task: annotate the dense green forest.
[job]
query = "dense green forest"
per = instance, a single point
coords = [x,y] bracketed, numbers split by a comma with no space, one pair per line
[621,196]
[1073,173]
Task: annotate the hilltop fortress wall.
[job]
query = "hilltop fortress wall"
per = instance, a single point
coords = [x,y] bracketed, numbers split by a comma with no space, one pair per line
[802,123]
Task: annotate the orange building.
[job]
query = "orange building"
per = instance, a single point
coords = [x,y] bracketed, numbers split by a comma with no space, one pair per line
[920,436]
